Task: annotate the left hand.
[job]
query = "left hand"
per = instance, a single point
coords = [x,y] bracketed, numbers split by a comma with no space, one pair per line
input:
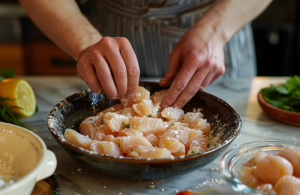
[197,60]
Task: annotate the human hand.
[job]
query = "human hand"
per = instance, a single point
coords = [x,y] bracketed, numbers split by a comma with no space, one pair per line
[110,65]
[196,61]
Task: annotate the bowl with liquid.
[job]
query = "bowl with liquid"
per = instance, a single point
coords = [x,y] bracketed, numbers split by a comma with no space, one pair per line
[261,160]
[24,160]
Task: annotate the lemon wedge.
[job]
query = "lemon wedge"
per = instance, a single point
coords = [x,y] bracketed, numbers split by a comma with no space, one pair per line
[21,91]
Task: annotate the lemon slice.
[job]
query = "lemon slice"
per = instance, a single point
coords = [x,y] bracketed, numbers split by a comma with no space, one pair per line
[21,91]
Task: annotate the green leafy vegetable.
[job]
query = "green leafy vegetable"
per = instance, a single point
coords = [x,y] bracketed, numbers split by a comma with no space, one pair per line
[285,96]
[6,73]
[7,114]
[149,115]
[193,151]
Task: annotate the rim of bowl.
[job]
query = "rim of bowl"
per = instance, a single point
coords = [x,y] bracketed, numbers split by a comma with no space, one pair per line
[228,156]
[62,140]
[262,100]
[35,171]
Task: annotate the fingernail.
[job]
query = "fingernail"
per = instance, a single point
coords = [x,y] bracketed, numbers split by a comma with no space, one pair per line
[123,96]
[163,80]
[113,98]
[129,97]
[100,91]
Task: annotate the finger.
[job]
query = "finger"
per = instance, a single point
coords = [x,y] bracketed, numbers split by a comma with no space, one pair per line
[173,68]
[193,87]
[132,66]
[118,69]
[105,77]
[207,79]
[87,73]
[220,73]
[180,82]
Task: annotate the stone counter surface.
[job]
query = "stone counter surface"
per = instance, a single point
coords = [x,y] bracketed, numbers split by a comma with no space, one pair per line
[74,179]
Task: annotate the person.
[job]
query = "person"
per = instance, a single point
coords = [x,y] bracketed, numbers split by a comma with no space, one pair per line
[186,42]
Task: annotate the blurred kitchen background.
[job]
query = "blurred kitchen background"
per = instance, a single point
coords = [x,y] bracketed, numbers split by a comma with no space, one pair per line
[24,48]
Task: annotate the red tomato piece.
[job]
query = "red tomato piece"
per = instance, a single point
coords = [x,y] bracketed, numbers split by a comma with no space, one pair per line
[186,193]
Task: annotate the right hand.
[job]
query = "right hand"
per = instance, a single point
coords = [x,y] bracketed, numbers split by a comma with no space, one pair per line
[110,65]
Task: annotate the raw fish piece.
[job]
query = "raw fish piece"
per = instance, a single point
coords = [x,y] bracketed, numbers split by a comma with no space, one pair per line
[248,177]
[115,121]
[114,108]
[153,139]
[174,145]
[128,143]
[267,188]
[147,125]
[193,134]
[129,112]
[101,132]
[270,168]
[252,161]
[144,108]
[87,125]
[98,133]
[288,185]
[141,95]
[174,123]
[201,124]
[106,147]
[158,96]
[191,117]
[156,112]
[157,153]
[131,132]
[176,131]
[139,150]
[172,113]
[293,156]
[111,138]
[198,145]
[78,139]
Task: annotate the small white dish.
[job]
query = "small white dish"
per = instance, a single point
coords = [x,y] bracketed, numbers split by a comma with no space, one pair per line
[24,153]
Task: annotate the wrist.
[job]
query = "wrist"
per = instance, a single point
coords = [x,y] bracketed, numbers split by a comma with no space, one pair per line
[92,39]
[214,27]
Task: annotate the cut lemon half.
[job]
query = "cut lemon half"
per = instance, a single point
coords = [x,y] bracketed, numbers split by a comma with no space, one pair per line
[22,93]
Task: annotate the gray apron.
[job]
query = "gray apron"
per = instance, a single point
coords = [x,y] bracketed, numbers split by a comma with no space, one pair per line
[153,27]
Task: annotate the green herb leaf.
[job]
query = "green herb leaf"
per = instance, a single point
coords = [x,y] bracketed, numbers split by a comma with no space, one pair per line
[157,111]
[126,126]
[172,124]
[282,90]
[193,151]
[149,115]
[6,73]
[7,114]
[36,108]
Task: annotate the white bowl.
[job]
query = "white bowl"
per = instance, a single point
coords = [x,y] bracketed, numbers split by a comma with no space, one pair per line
[25,153]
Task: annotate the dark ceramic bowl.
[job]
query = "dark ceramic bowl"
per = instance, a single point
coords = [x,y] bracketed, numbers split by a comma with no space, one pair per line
[225,126]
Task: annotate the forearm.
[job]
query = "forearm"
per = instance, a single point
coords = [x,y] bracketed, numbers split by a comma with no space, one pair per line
[63,23]
[226,17]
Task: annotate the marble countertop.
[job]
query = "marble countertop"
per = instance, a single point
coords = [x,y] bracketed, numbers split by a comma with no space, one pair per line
[74,178]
